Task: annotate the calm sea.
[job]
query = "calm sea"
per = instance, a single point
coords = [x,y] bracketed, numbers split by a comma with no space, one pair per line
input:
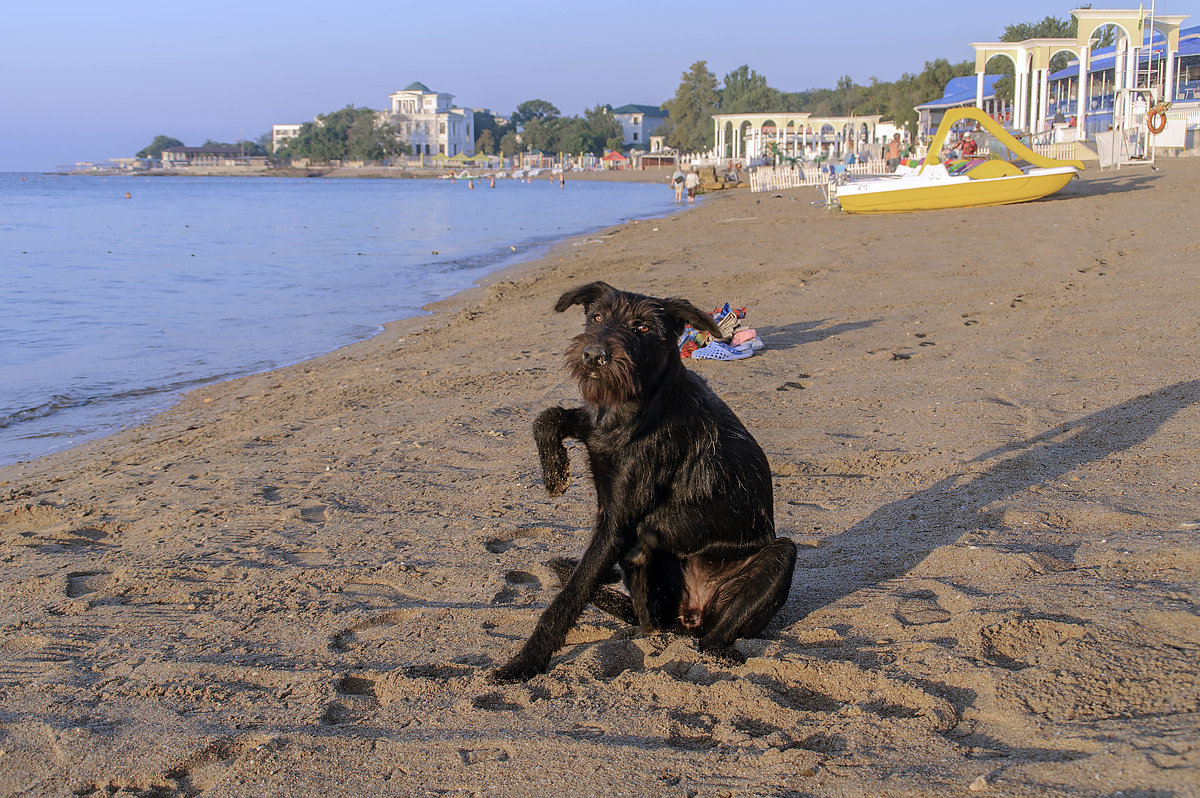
[111,306]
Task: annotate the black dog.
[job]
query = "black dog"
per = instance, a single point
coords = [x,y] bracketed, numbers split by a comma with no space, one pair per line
[684,491]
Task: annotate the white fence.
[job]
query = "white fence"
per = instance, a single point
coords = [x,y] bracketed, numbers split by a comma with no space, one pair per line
[774,178]
[1059,150]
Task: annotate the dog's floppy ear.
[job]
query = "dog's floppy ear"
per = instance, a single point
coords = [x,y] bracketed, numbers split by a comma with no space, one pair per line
[683,312]
[582,295]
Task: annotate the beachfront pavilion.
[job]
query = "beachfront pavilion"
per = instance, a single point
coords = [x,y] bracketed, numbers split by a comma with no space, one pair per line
[791,135]
[1031,60]
[1183,89]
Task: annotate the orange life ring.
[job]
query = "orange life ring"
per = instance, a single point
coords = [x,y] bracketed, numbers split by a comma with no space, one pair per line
[1156,120]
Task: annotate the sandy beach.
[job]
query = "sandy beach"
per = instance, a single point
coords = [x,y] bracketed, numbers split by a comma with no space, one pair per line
[982,426]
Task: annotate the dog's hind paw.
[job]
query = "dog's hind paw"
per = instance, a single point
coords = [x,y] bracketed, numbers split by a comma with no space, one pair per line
[728,656]
[515,670]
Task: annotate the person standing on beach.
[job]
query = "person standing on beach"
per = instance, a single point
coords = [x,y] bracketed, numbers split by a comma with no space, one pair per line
[677,183]
[691,183]
[893,152]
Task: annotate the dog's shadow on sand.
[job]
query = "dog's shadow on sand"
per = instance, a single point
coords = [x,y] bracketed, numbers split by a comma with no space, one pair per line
[894,539]
[807,332]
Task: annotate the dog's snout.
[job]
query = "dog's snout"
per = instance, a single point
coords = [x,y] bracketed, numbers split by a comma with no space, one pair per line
[594,355]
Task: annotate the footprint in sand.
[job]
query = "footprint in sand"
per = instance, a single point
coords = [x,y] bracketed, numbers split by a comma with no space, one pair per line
[1019,643]
[81,583]
[313,515]
[354,636]
[516,584]
[506,540]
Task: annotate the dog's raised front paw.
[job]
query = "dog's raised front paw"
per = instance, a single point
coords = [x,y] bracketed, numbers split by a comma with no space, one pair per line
[556,471]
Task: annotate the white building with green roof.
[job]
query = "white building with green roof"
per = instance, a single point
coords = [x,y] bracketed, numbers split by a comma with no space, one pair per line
[638,123]
[430,123]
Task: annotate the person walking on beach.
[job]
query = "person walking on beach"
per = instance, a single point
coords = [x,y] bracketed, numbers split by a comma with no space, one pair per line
[691,183]
[677,183]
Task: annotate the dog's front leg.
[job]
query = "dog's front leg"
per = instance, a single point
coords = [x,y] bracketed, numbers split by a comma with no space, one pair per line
[551,427]
[552,627]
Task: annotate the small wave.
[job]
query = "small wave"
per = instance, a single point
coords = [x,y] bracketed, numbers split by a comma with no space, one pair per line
[62,402]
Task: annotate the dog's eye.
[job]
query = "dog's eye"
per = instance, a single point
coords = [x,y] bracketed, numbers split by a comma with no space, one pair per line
[598,317]
[643,328]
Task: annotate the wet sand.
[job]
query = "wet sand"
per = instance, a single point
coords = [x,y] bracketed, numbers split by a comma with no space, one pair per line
[982,426]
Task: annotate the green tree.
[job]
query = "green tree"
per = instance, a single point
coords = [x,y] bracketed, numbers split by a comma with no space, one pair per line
[573,136]
[371,139]
[486,123]
[691,109]
[534,109]
[603,130]
[485,144]
[154,149]
[351,133]
[542,135]
[510,144]
[746,92]
[247,147]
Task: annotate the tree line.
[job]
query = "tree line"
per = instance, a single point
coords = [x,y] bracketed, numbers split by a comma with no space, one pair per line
[700,94]
[154,149]
[538,126]
[361,134]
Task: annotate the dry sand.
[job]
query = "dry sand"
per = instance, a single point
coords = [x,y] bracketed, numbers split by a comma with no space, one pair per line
[983,430]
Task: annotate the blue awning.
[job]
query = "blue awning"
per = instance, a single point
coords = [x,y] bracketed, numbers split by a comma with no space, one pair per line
[961,91]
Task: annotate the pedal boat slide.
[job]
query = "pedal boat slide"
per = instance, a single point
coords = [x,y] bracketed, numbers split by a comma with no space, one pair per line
[992,181]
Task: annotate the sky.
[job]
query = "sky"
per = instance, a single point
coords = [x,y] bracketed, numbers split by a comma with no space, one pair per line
[89,81]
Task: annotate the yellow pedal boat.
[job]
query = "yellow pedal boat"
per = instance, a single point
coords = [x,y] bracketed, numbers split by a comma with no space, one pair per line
[1018,175]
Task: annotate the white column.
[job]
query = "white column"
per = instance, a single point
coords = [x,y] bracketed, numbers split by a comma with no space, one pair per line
[1019,83]
[1034,85]
[979,90]
[1131,62]
[1042,100]
[1045,97]
[1169,78]
[1120,57]
[1085,90]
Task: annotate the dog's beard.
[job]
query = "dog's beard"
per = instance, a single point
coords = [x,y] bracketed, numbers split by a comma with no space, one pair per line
[609,385]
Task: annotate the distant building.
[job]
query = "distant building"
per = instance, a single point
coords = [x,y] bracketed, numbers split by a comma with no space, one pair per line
[638,123]
[183,157]
[281,134]
[430,124]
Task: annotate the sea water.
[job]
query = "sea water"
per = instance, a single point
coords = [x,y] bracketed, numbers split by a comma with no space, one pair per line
[119,293]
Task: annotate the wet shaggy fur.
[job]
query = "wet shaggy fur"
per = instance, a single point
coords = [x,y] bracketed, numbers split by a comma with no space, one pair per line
[684,491]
